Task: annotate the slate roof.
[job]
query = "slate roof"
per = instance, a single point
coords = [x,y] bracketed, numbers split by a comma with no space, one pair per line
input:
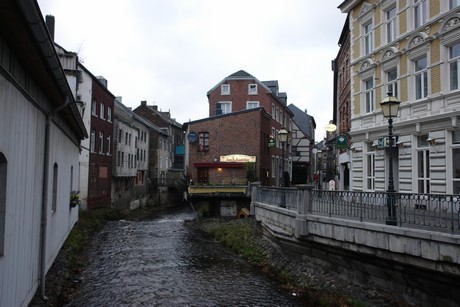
[241,74]
[303,120]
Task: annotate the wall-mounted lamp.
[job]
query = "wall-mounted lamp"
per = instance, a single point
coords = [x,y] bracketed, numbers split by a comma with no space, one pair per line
[219,170]
[431,140]
[375,144]
[400,144]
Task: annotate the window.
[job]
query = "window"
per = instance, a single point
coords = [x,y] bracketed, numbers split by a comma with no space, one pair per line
[252,89]
[273,166]
[225,89]
[92,144]
[419,13]
[423,165]
[454,59]
[392,82]
[368,39]
[93,108]
[453,3]
[455,162]
[120,133]
[109,141]
[203,141]
[109,114]
[421,78]
[391,24]
[101,142]
[55,188]
[101,115]
[3,181]
[223,107]
[273,110]
[252,104]
[126,138]
[369,95]
[370,172]
[118,158]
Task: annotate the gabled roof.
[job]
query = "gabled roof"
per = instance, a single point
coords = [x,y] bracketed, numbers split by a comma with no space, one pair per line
[119,106]
[303,120]
[240,75]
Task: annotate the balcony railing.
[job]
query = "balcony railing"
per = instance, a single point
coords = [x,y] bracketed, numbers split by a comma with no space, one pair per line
[435,212]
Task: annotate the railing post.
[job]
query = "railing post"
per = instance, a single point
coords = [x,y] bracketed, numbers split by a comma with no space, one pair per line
[254,186]
[304,207]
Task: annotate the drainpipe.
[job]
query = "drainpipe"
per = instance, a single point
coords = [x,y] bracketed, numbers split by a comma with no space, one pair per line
[44,209]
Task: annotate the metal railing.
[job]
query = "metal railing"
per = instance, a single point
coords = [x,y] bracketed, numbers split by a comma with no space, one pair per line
[434,212]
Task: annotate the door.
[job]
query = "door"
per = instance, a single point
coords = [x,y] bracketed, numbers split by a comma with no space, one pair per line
[203,175]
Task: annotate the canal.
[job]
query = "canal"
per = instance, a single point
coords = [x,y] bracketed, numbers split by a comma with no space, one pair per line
[162,262]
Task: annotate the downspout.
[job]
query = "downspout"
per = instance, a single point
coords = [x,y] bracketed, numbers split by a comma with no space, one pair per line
[44,209]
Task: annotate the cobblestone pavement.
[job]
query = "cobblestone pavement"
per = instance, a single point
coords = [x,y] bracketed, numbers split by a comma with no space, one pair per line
[164,263]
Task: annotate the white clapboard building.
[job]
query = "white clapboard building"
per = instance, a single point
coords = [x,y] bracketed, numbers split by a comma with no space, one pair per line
[40,133]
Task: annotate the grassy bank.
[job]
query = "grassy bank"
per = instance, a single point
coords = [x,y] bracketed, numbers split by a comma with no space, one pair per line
[244,236]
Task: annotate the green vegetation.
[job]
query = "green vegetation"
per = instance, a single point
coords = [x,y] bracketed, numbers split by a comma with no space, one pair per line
[245,239]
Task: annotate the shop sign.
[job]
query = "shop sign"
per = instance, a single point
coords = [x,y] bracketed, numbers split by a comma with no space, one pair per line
[238,158]
[342,142]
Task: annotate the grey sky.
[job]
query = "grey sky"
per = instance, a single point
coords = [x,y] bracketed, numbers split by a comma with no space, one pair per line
[171,52]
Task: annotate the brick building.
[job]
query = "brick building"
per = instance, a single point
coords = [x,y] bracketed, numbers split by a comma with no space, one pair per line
[101,143]
[232,145]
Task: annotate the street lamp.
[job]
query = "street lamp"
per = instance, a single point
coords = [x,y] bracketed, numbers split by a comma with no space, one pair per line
[390,107]
[283,135]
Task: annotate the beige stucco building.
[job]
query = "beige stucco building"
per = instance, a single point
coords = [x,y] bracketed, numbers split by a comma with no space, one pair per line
[412,49]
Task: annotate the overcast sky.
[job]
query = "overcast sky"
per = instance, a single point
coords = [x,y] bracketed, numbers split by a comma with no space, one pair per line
[172,52]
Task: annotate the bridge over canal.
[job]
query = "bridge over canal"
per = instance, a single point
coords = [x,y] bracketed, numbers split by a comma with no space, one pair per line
[417,259]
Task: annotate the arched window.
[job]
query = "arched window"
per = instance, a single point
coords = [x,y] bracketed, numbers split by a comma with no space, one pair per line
[3,173]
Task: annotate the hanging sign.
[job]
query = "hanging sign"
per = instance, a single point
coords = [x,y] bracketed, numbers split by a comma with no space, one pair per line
[192,137]
[342,142]
[271,142]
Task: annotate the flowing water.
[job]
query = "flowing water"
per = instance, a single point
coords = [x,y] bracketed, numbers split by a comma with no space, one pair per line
[162,262]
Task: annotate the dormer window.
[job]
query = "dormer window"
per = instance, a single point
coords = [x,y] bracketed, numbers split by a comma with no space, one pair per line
[225,89]
[252,89]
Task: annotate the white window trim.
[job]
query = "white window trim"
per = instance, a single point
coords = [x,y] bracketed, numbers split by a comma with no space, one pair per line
[252,102]
[387,83]
[420,72]
[252,89]
[225,103]
[387,22]
[371,91]
[367,37]
[225,89]
[424,4]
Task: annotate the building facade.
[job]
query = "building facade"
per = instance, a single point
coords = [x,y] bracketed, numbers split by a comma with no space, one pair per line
[40,134]
[342,109]
[101,145]
[411,49]
[239,141]
[167,141]
[302,141]
[130,163]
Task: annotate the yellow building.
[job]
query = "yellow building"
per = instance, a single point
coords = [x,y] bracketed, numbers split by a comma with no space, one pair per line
[410,48]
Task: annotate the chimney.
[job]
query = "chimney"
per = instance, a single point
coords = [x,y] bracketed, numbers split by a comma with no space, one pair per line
[143,103]
[50,25]
[102,80]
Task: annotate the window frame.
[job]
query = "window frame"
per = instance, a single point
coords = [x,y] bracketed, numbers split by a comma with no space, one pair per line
[252,102]
[203,141]
[393,83]
[252,89]
[369,96]
[228,105]
[368,36]
[420,13]
[101,142]
[94,107]
[391,24]
[102,111]
[225,89]
[455,147]
[423,151]
[453,60]
[92,141]
[422,85]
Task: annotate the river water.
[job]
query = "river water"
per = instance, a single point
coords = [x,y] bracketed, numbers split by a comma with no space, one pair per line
[162,262]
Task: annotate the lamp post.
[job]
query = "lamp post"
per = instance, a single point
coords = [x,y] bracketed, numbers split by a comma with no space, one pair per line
[390,107]
[283,134]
